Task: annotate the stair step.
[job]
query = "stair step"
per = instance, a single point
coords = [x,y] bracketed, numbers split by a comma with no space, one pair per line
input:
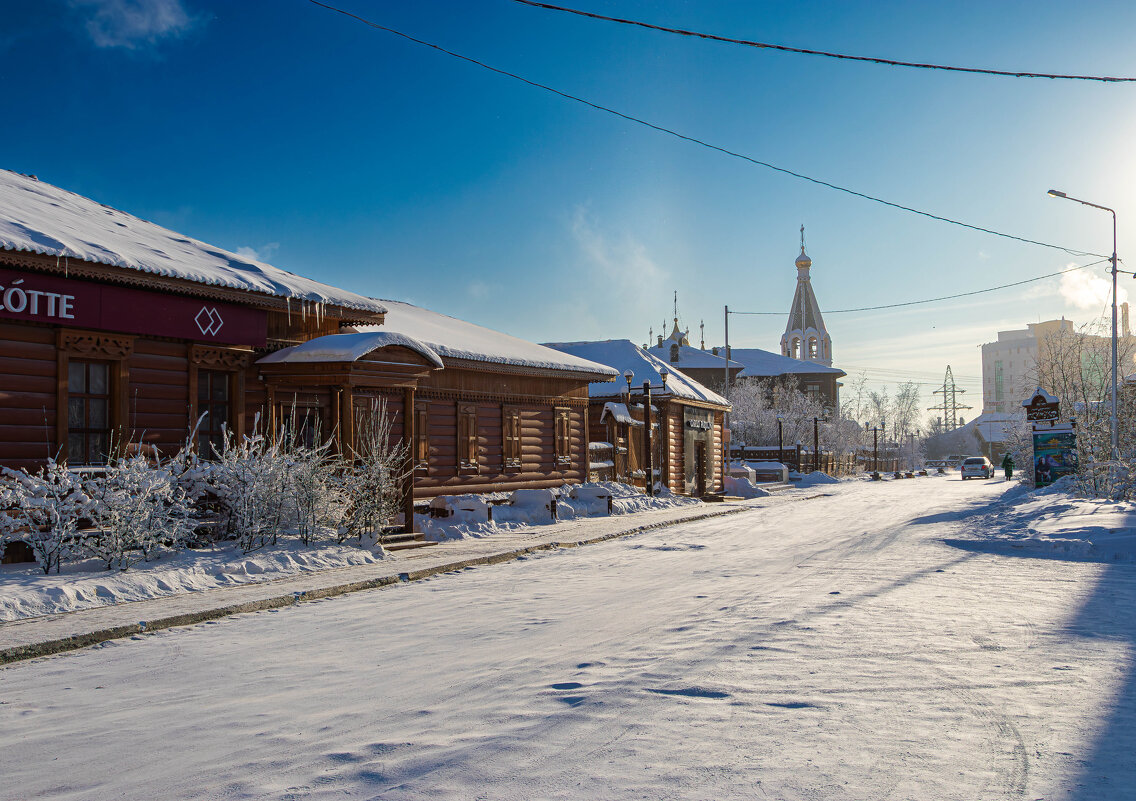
[406,545]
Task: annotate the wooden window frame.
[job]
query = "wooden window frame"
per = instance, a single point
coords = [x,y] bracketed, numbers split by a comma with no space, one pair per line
[469,443]
[421,437]
[232,361]
[562,420]
[86,397]
[512,446]
[208,377]
[93,346]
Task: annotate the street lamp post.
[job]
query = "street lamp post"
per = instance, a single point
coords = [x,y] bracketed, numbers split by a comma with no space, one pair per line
[1113,424]
[648,456]
[780,441]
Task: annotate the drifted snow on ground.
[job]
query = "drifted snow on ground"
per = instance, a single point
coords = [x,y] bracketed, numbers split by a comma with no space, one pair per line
[26,592]
[829,644]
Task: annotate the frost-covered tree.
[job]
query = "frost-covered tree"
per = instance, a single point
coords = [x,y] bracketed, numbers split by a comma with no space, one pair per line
[44,509]
[378,472]
[1076,366]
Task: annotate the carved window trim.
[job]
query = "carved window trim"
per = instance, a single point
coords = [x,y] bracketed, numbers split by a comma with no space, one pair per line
[562,418]
[512,448]
[469,443]
[93,346]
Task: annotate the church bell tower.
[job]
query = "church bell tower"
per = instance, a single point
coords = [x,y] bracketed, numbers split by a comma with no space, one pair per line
[805,336]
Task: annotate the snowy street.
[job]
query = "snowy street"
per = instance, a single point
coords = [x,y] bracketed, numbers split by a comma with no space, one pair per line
[830,644]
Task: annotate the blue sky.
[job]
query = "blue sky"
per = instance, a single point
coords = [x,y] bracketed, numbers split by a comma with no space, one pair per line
[376,164]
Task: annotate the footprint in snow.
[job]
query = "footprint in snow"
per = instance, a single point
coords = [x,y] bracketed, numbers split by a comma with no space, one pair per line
[690,692]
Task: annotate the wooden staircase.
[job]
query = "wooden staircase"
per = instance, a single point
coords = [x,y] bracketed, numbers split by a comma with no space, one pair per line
[405,541]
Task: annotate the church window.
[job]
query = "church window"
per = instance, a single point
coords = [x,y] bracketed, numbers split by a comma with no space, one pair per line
[674,353]
[812,347]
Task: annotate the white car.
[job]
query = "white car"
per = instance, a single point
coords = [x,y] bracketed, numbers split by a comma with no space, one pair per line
[976,467]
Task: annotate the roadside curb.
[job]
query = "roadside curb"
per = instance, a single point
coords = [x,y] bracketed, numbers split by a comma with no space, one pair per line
[77,641]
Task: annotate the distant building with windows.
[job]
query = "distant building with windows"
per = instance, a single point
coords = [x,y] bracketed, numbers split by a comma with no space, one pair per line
[1010,365]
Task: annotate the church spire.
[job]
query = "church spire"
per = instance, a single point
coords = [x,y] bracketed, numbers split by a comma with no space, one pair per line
[805,336]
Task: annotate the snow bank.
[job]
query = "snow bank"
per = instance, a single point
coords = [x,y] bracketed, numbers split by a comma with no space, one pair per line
[817,478]
[744,488]
[26,592]
[1053,522]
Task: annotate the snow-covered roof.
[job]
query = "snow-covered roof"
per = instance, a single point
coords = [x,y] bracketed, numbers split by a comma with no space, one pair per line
[690,356]
[451,338]
[994,426]
[618,411]
[348,348]
[763,364]
[624,355]
[36,217]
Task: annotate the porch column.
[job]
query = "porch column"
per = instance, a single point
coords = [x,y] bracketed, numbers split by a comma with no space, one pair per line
[410,437]
[347,421]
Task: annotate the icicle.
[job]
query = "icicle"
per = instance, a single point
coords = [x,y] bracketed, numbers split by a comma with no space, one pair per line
[288,306]
[304,310]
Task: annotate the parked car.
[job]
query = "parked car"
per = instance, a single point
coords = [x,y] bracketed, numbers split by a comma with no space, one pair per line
[976,467]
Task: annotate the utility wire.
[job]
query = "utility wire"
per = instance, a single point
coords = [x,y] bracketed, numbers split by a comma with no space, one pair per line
[697,141]
[936,300]
[804,51]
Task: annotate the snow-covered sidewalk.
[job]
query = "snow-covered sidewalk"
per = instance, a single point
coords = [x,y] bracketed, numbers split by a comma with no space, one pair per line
[180,602]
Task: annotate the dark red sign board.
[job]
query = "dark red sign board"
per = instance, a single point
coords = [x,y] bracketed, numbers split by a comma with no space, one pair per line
[103,307]
[1038,409]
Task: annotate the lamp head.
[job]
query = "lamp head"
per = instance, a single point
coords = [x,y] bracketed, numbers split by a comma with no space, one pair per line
[630,376]
[664,373]
[1057,193]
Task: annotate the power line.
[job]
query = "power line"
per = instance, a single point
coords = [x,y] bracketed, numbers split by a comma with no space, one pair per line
[804,51]
[697,141]
[936,300]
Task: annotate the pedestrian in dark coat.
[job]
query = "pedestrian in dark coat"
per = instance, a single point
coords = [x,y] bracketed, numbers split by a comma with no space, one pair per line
[1008,465]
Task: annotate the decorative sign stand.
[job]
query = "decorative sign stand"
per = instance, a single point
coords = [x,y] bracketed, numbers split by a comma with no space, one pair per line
[1054,441]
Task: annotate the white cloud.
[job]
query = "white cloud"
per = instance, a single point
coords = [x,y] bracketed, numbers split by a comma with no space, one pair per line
[263,253]
[623,260]
[132,24]
[478,290]
[1083,290]
[618,281]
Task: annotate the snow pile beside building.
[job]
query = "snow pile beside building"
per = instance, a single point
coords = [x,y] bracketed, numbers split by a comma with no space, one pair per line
[744,488]
[527,508]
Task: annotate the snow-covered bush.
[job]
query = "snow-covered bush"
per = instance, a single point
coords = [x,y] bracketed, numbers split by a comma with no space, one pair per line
[138,508]
[317,495]
[373,483]
[249,480]
[45,510]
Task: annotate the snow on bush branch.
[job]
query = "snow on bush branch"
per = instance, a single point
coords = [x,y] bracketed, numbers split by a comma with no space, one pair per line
[255,490]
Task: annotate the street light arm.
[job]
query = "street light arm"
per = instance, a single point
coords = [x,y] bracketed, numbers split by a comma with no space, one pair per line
[1064,196]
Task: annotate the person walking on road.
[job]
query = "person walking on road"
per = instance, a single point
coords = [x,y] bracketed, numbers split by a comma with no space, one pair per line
[1008,465]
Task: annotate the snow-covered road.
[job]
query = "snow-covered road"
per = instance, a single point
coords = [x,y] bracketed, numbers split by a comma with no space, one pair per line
[831,647]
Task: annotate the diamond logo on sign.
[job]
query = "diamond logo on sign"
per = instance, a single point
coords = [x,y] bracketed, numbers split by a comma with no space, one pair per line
[209,321]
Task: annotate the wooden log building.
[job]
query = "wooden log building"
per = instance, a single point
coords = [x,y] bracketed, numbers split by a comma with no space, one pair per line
[688,419]
[116,330]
